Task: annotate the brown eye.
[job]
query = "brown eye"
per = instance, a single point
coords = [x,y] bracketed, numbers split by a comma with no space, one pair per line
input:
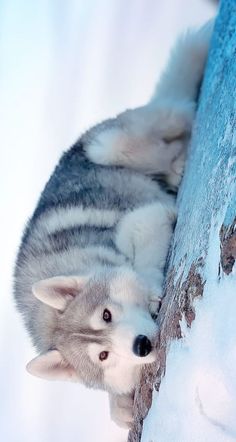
[103,355]
[107,315]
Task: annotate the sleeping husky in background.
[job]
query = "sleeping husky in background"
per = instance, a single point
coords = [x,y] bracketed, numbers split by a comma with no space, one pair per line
[89,271]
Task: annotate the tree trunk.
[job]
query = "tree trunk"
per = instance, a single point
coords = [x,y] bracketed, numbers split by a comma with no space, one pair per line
[207,194]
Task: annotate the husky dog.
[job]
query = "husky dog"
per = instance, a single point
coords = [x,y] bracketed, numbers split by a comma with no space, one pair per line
[89,271]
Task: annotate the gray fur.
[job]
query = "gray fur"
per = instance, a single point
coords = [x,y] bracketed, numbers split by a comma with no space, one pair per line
[103,213]
[87,185]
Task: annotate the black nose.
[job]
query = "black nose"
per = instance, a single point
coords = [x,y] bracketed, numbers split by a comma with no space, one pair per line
[142,346]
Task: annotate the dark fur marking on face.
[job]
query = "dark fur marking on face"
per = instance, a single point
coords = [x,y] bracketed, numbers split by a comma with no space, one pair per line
[93,336]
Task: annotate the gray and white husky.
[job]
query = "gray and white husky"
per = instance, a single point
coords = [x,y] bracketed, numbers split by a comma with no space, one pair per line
[89,271]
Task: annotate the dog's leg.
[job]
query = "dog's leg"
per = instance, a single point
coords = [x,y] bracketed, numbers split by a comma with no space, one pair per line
[121,409]
[143,235]
[148,139]
[152,139]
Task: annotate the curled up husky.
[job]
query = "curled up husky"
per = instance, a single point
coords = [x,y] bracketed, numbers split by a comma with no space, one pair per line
[89,271]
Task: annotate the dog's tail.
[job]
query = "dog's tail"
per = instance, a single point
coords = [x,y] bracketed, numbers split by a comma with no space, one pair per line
[182,76]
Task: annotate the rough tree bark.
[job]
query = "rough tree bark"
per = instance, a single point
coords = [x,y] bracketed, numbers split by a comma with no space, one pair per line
[207,189]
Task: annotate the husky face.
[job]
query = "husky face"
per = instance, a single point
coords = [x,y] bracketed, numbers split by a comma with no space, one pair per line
[123,316]
[104,332]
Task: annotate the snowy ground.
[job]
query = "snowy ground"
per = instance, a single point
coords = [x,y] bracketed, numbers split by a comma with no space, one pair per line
[64,67]
[197,398]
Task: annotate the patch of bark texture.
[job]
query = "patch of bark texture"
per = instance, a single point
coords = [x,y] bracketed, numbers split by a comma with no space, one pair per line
[228,247]
[208,187]
[180,293]
[178,303]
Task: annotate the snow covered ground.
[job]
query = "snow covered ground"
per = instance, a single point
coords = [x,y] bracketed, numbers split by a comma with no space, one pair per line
[197,398]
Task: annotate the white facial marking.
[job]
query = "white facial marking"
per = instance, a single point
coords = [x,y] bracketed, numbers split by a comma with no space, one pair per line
[96,321]
[134,322]
[122,377]
[94,350]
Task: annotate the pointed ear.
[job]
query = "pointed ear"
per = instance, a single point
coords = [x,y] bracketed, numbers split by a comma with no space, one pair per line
[52,366]
[58,291]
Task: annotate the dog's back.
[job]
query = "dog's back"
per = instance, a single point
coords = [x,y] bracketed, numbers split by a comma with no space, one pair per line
[89,271]
[74,225]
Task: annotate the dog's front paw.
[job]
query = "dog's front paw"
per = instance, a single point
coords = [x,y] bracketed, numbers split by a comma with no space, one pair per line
[153,280]
[121,409]
[177,170]
[154,305]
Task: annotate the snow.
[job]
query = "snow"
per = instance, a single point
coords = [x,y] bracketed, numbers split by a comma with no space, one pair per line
[197,398]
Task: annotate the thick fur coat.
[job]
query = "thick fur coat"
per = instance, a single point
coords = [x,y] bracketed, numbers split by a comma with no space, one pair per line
[89,272]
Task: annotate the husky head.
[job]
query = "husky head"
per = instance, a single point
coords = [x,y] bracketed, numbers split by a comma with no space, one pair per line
[102,330]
